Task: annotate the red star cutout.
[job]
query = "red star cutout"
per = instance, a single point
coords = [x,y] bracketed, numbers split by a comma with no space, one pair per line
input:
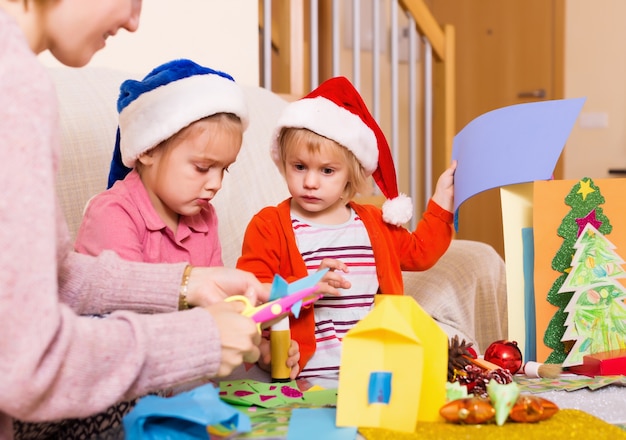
[589,218]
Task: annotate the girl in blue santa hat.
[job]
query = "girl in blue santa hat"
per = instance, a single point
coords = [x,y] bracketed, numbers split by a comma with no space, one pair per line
[180,129]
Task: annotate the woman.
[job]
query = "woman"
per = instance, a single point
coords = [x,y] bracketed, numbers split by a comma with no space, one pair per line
[53,363]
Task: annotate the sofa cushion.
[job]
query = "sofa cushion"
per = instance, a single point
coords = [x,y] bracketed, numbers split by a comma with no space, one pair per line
[87,100]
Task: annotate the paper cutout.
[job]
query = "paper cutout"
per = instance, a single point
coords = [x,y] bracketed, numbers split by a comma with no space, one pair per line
[557,205]
[280,288]
[266,395]
[514,144]
[273,309]
[247,392]
[454,391]
[379,390]
[184,416]
[396,336]
[317,423]
[596,312]
[503,397]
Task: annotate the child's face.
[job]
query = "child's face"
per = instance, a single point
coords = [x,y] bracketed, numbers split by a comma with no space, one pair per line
[74,30]
[316,181]
[183,176]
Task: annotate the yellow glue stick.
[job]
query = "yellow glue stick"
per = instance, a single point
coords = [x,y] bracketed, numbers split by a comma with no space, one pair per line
[280,340]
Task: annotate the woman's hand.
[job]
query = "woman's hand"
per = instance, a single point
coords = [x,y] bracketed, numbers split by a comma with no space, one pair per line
[239,336]
[209,285]
[444,191]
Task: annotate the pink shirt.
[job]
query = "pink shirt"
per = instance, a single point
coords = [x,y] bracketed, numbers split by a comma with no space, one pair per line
[53,363]
[123,219]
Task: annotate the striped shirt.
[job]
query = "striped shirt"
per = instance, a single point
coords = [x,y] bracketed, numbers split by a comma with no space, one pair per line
[335,315]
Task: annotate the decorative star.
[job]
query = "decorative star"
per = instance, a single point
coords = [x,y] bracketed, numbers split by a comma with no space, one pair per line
[589,218]
[585,188]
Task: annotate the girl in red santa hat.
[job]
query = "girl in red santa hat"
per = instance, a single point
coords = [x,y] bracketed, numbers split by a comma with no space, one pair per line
[327,145]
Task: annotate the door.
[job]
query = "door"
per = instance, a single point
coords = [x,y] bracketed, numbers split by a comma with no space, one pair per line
[507,52]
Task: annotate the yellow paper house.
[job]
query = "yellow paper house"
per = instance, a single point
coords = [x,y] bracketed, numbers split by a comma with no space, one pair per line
[393,368]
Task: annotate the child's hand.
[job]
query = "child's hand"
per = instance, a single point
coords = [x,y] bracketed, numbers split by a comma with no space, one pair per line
[293,356]
[444,191]
[332,280]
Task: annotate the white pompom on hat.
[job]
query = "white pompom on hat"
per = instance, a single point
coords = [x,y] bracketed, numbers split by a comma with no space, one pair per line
[337,111]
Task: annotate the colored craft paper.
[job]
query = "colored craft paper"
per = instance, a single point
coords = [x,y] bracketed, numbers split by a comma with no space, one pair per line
[530,349]
[248,392]
[567,383]
[517,215]
[320,397]
[516,144]
[267,423]
[549,212]
[184,416]
[317,423]
[398,337]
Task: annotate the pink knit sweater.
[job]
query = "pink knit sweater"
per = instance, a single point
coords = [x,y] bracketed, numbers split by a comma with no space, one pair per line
[53,363]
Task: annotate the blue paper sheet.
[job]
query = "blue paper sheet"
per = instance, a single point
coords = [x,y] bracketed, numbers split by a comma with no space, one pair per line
[516,144]
[185,416]
[316,424]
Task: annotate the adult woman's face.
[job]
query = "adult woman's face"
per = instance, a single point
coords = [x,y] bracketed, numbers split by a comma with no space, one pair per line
[74,30]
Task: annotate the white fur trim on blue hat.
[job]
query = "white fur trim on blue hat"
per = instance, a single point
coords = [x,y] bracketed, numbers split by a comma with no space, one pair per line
[327,119]
[158,114]
[398,211]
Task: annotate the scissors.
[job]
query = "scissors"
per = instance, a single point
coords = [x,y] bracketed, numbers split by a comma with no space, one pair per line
[273,309]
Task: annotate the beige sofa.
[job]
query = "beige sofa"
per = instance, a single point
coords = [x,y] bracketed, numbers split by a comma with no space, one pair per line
[465,291]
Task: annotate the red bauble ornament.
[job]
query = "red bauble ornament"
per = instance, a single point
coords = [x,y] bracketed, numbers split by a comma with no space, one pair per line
[505,354]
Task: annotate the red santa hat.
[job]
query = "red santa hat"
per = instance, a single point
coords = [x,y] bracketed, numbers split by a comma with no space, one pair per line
[336,111]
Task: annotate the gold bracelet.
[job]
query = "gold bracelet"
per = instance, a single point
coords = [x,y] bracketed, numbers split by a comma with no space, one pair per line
[182,293]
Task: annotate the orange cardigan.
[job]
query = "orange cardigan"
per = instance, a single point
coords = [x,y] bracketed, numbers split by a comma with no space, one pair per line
[269,248]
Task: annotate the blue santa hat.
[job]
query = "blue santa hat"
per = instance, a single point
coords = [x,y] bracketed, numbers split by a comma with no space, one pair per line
[168,99]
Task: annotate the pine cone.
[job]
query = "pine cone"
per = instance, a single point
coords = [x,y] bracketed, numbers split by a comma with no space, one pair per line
[458,356]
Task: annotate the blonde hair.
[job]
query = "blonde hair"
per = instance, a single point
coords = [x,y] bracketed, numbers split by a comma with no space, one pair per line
[290,139]
[229,121]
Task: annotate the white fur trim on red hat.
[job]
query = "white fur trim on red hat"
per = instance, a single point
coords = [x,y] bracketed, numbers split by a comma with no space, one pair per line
[327,119]
[160,113]
[398,210]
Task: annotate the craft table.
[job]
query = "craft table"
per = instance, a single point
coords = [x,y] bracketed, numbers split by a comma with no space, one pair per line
[592,407]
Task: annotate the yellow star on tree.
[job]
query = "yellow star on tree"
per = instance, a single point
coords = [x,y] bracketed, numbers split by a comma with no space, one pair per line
[585,188]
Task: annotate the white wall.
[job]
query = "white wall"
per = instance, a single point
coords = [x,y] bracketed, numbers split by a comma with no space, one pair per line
[221,34]
[595,67]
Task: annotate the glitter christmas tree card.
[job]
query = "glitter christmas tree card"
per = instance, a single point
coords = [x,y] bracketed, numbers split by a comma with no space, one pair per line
[579,232]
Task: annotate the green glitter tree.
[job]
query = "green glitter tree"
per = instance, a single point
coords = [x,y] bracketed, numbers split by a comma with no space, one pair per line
[596,316]
[584,199]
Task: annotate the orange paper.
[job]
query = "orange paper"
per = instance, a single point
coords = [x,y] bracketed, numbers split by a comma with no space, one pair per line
[549,209]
